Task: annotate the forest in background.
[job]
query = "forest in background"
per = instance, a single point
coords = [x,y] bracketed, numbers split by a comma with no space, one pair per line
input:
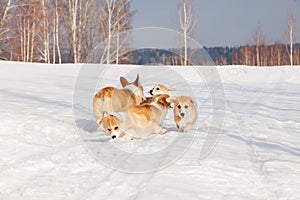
[63,31]
[270,55]
[263,55]
[66,31]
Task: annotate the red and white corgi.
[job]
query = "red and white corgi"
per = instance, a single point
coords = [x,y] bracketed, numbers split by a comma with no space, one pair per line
[111,99]
[185,112]
[140,121]
[157,90]
[161,89]
[112,125]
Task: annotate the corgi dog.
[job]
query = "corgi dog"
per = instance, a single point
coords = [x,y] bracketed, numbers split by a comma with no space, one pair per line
[157,90]
[185,112]
[116,127]
[161,89]
[112,125]
[147,119]
[140,121]
[111,99]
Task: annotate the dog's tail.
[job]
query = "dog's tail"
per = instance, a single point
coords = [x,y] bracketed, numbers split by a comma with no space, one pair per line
[105,93]
[101,103]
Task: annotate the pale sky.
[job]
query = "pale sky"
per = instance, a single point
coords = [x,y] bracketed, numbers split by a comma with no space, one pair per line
[223,22]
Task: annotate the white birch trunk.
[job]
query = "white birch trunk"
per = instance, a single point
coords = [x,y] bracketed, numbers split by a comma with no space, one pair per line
[28,39]
[291,39]
[54,42]
[7,7]
[257,49]
[33,33]
[73,5]
[46,53]
[185,34]
[21,39]
[109,7]
[187,24]
[56,31]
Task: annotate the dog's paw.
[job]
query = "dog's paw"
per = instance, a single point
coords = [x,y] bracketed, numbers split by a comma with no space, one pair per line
[163,131]
[127,137]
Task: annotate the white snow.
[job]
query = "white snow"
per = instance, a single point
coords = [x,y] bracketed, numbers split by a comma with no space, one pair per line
[43,155]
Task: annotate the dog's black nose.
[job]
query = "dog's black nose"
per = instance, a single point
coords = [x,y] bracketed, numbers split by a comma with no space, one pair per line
[182,114]
[114,137]
[151,92]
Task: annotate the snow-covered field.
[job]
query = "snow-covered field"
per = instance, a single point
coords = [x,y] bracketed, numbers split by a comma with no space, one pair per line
[47,151]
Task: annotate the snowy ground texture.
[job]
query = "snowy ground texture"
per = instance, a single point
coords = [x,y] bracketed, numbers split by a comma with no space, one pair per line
[42,156]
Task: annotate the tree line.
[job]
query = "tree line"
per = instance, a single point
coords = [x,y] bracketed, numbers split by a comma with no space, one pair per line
[63,31]
[262,53]
[275,54]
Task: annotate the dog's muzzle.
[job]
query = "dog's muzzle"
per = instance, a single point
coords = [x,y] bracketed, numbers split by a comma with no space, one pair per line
[151,92]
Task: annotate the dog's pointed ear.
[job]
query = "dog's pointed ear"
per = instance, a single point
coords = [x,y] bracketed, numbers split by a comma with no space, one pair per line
[194,102]
[124,82]
[137,81]
[105,114]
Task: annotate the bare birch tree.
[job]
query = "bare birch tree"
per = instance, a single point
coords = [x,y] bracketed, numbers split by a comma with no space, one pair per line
[57,32]
[45,50]
[73,8]
[78,19]
[291,38]
[36,30]
[187,24]
[124,18]
[3,19]
[25,29]
[108,26]
[116,19]
[257,39]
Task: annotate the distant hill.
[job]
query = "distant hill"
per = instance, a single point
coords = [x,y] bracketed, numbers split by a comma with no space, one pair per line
[269,55]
